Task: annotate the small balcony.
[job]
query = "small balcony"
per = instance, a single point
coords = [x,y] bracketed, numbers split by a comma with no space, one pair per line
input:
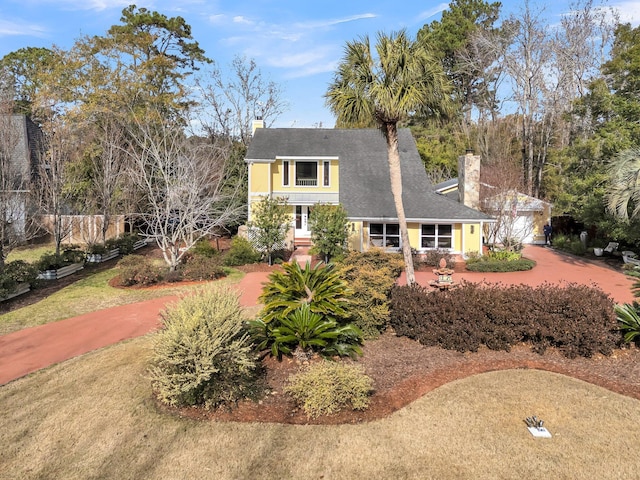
[306,182]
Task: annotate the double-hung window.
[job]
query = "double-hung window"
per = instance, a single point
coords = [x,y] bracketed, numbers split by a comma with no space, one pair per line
[436,236]
[385,235]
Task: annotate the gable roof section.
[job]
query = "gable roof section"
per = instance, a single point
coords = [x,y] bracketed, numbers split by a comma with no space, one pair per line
[365,189]
[524,202]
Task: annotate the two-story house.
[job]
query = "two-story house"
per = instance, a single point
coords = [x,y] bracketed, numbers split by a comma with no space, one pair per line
[350,167]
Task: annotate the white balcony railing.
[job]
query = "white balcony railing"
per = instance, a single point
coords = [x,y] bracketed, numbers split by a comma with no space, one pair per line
[306,182]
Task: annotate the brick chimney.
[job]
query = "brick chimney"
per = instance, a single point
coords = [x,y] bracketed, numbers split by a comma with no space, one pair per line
[469,179]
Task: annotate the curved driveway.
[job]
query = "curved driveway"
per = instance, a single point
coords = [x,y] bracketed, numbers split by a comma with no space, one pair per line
[553,267]
[34,348]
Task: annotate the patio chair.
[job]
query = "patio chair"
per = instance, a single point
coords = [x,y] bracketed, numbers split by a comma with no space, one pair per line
[631,258]
[612,247]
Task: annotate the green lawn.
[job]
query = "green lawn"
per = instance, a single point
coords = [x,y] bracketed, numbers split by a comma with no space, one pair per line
[87,295]
[93,417]
[30,254]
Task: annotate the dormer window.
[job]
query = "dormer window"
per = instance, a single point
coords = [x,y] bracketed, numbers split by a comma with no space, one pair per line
[306,174]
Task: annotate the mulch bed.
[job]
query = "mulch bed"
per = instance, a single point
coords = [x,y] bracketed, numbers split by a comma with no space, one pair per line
[403,371]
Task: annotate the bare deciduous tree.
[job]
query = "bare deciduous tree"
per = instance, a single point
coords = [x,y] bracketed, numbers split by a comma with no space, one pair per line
[53,173]
[548,68]
[234,100]
[104,183]
[184,184]
[500,183]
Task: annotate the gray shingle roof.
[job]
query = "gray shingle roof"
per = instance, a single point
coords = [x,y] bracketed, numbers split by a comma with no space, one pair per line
[365,189]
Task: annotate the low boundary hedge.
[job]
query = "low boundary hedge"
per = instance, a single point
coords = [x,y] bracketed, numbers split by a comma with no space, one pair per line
[577,319]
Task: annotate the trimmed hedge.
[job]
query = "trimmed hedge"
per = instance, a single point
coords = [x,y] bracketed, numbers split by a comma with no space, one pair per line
[501,266]
[576,319]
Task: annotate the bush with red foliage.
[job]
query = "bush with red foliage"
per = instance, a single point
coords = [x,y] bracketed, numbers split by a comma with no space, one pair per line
[577,319]
[201,267]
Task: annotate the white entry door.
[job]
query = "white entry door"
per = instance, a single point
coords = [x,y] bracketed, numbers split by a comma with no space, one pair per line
[302,221]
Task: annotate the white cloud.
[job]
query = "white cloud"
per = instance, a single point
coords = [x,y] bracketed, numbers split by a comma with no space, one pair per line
[433,11]
[299,49]
[295,60]
[310,70]
[242,20]
[629,11]
[330,23]
[8,28]
[218,19]
[98,5]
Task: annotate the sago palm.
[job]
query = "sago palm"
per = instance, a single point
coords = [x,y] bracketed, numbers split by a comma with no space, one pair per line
[629,320]
[320,287]
[624,184]
[401,80]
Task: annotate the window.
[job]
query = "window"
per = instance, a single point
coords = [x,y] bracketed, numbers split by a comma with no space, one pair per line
[307,174]
[385,235]
[285,173]
[325,173]
[436,236]
[298,217]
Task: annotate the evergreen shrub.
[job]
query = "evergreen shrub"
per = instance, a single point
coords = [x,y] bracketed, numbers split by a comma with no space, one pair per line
[499,261]
[51,261]
[203,248]
[491,265]
[306,310]
[198,267]
[139,270]
[241,252]
[371,276]
[14,274]
[327,387]
[628,316]
[577,319]
[432,258]
[202,355]
[124,242]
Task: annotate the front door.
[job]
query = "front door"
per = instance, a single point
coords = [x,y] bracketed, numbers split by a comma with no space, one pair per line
[302,221]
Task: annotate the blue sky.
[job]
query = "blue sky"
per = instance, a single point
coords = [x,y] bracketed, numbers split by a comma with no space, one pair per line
[295,43]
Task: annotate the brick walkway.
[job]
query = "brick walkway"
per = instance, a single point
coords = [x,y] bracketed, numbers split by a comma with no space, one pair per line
[34,348]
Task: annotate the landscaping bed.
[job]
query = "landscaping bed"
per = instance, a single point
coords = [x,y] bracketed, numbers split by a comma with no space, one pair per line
[403,371]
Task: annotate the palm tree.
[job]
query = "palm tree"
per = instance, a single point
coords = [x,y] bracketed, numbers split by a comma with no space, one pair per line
[402,80]
[624,182]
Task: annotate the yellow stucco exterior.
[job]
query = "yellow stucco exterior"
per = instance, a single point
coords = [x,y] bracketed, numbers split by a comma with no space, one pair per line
[277,176]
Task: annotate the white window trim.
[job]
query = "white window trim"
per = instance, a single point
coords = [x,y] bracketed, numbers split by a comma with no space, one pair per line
[384,236]
[437,237]
[295,173]
[285,167]
[292,159]
[326,173]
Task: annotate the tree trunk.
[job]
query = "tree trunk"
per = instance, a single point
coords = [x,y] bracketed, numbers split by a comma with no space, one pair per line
[395,175]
